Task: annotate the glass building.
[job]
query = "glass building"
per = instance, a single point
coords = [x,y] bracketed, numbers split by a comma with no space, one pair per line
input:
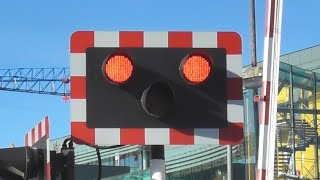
[296,151]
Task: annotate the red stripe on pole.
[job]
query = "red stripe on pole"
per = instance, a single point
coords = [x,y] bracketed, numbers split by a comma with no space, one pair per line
[81,134]
[272,16]
[48,174]
[262,105]
[234,89]
[181,136]
[231,41]
[132,136]
[261,174]
[269,26]
[40,130]
[32,137]
[78,87]
[231,135]
[267,105]
[180,39]
[131,39]
[80,41]
[47,130]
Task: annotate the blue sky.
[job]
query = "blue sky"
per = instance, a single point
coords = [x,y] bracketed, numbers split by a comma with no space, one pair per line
[36,34]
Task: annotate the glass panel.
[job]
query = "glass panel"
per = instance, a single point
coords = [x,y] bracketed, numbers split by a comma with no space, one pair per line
[283,98]
[249,147]
[122,160]
[196,172]
[107,162]
[141,175]
[248,114]
[317,86]
[318,90]
[302,88]
[220,172]
[207,172]
[173,176]
[304,131]
[186,174]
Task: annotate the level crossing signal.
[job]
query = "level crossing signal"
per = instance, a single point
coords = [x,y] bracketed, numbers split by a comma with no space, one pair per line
[31,161]
[132,87]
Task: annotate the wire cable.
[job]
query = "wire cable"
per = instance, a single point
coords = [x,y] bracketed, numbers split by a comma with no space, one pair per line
[98,153]
[106,147]
[99,162]
[99,156]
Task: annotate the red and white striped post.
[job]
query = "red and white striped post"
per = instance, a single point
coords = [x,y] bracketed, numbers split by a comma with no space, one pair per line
[274,90]
[39,137]
[265,89]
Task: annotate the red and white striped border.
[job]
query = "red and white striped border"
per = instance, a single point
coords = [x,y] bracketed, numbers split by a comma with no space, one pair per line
[81,40]
[39,131]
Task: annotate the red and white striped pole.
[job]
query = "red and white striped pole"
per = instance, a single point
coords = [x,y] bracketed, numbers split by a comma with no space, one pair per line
[274,90]
[265,90]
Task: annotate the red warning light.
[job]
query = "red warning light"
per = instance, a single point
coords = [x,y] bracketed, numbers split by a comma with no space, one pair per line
[196,69]
[118,68]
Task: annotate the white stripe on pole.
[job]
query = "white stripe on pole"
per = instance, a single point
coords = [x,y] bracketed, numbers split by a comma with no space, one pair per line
[157,169]
[29,139]
[268,75]
[48,150]
[43,128]
[36,133]
[263,129]
[274,91]
[229,162]
[267,59]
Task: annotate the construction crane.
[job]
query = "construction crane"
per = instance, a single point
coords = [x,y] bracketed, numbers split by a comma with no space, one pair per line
[50,81]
